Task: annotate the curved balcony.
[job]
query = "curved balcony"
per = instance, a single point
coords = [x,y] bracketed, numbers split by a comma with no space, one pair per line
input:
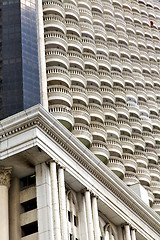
[77,76]
[135,124]
[91,60]
[58,94]
[153,107]
[112,128]
[130,178]
[73,26]
[127,144]
[101,46]
[100,32]
[143,175]
[141,158]
[98,18]
[76,58]
[131,93]
[63,114]
[98,131]
[122,110]
[85,3]
[58,74]
[136,65]
[97,4]
[148,79]
[108,7]
[128,79]
[103,61]
[124,49]
[116,165]
[53,22]
[150,194]
[133,108]
[129,162]
[94,94]
[110,22]
[79,94]
[154,171]
[121,25]
[146,122]
[107,94]
[53,38]
[149,42]
[115,62]
[87,28]
[56,56]
[71,10]
[120,94]
[92,76]
[139,78]
[114,147]
[110,110]
[74,42]
[126,63]
[154,66]
[148,138]
[99,148]
[88,44]
[156,134]
[130,27]
[96,112]
[117,78]
[81,113]
[53,6]
[105,77]
[82,132]
[138,141]
[134,51]
[143,107]
[132,39]
[124,126]
[151,155]
[155,186]
[156,205]
[113,47]
[141,93]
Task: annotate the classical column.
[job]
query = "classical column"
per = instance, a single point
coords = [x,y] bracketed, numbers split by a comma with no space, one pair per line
[127,232]
[95,218]
[133,234]
[62,203]
[89,215]
[55,201]
[14,210]
[44,202]
[4,216]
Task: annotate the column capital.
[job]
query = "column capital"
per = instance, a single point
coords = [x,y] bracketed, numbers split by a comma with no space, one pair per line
[5,173]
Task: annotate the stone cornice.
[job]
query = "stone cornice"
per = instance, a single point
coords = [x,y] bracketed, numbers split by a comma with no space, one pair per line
[38,117]
[5,173]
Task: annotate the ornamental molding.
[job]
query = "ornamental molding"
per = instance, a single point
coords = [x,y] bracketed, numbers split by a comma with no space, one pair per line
[38,117]
[5,173]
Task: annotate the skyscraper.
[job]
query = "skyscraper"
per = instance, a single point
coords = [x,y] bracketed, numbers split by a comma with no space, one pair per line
[85,164]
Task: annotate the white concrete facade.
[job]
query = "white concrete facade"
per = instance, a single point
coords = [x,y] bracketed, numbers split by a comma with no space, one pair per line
[96,203]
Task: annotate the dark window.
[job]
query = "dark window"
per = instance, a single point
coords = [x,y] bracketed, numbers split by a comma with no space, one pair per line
[69,216]
[70,236]
[75,221]
[29,229]
[27,181]
[29,205]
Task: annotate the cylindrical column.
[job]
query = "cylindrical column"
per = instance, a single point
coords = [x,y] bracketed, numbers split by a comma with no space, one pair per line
[55,201]
[4,216]
[127,232]
[133,234]
[89,215]
[62,203]
[95,218]
[14,210]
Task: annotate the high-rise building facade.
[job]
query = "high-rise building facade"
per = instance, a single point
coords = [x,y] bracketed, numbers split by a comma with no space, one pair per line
[86,165]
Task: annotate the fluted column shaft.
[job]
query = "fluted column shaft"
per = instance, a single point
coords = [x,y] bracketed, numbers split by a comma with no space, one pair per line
[4,213]
[62,203]
[133,234]
[55,201]
[89,215]
[127,232]
[95,218]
